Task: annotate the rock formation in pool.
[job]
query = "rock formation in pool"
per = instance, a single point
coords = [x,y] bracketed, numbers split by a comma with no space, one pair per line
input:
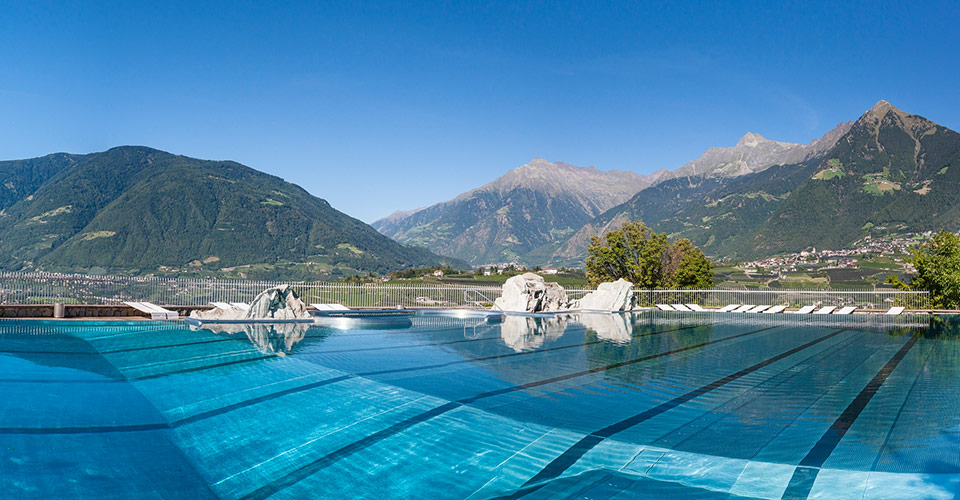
[610,296]
[528,292]
[279,303]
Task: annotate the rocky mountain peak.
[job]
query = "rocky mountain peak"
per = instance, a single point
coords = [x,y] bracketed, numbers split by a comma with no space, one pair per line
[882,107]
[751,140]
[879,110]
[883,111]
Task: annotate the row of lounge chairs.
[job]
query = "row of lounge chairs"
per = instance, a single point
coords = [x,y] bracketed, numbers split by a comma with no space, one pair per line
[155,311]
[330,307]
[750,308]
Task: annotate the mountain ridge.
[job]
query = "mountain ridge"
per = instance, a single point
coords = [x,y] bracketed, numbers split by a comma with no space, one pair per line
[529,206]
[482,235]
[136,209]
[889,171]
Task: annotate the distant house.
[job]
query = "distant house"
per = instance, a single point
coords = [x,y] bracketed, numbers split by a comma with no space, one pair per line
[487,272]
[438,273]
[548,270]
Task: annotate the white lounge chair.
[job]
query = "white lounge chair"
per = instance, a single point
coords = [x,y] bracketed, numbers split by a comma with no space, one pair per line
[825,310]
[894,311]
[330,307]
[155,311]
[729,308]
[241,305]
[846,310]
[220,305]
[775,309]
[680,307]
[696,307]
[758,309]
[744,308]
[664,307]
[804,310]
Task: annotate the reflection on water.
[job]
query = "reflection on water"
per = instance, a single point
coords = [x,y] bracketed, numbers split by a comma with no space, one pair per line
[278,338]
[522,333]
[616,328]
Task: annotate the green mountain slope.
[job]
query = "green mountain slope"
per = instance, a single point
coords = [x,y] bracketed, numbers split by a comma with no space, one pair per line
[21,178]
[136,209]
[892,172]
[889,172]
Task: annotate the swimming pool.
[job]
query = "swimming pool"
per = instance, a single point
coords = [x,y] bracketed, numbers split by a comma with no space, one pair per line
[636,405]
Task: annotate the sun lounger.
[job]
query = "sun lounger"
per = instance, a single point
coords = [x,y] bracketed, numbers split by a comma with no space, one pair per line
[330,307]
[729,308]
[805,310]
[241,305]
[696,307]
[664,307]
[775,309]
[758,309]
[825,310]
[680,307]
[744,308]
[894,311]
[155,311]
[846,310]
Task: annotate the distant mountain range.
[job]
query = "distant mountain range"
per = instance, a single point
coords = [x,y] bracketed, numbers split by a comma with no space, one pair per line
[888,171]
[520,215]
[140,210]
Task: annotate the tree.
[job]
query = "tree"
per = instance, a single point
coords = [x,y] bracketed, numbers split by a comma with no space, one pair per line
[938,270]
[647,259]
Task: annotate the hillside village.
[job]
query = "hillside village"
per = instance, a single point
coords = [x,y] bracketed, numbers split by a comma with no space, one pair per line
[893,247]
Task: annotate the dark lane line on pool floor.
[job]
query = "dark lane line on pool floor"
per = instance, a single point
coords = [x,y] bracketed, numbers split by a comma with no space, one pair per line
[294,390]
[569,457]
[267,397]
[896,420]
[311,468]
[271,356]
[324,336]
[809,468]
[93,429]
[232,339]
[779,379]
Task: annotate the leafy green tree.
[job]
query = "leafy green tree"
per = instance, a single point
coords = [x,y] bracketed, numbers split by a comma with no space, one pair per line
[938,270]
[647,259]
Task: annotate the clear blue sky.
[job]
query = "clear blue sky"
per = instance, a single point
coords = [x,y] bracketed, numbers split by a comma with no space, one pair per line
[377,107]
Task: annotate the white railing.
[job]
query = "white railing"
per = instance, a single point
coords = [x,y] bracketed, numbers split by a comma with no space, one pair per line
[48,288]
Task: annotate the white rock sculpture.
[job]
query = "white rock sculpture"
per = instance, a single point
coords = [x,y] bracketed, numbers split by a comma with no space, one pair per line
[280,303]
[610,296]
[530,293]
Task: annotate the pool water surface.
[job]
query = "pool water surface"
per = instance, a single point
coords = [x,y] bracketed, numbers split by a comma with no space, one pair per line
[633,405]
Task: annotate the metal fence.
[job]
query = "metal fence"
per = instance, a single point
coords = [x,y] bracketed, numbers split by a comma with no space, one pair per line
[870,299]
[47,288]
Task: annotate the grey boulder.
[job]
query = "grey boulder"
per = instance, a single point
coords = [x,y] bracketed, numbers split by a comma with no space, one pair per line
[528,292]
[610,296]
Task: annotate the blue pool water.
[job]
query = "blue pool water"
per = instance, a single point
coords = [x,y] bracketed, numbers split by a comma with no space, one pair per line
[639,405]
